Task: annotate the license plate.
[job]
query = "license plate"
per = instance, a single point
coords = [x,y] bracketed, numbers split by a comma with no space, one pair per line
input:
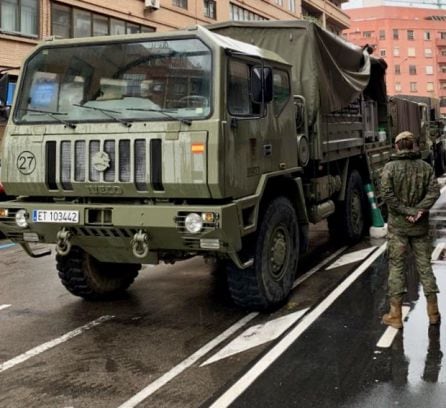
[57,216]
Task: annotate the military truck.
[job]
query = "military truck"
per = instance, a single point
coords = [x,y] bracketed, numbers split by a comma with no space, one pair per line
[431,124]
[224,142]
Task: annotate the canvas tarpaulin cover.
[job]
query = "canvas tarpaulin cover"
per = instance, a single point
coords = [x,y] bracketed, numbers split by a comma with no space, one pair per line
[328,71]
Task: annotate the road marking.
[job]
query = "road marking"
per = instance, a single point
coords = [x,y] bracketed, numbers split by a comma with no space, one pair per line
[50,344]
[4,306]
[244,382]
[312,271]
[352,257]
[4,246]
[177,370]
[443,189]
[437,251]
[387,338]
[257,335]
[192,359]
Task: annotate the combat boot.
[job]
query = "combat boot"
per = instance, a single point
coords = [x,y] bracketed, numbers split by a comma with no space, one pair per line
[432,309]
[394,317]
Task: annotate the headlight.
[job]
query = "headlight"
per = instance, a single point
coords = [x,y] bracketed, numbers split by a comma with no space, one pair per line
[21,218]
[193,223]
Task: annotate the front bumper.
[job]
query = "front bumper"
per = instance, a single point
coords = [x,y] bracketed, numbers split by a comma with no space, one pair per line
[106,231]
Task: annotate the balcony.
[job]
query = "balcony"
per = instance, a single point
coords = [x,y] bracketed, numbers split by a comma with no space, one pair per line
[441,76]
[441,59]
[333,13]
[440,42]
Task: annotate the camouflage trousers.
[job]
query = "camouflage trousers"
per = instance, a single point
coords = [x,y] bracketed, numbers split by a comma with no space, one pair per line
[398,250]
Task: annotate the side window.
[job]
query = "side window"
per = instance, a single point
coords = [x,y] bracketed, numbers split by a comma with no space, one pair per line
[281,90]
[238,89]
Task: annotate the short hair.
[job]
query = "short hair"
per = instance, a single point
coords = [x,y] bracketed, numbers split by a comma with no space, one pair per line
[405,144]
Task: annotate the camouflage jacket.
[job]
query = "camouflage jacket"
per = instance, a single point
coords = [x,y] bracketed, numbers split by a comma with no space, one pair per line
[408,184]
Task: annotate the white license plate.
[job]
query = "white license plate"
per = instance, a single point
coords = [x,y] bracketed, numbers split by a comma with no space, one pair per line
[58,216]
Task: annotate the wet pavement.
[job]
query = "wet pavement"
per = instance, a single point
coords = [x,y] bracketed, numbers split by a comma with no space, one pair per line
[166,343]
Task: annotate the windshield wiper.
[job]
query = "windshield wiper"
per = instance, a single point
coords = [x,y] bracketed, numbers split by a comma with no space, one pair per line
[106,112]
[164,112]
[52,115]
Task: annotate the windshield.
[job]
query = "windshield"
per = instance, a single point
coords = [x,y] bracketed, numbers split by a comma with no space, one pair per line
[122,82]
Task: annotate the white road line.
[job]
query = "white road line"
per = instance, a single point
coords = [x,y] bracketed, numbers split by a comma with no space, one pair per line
[192,359]
[387,338]
[244,382]
[52,343]
[164,379]
[4,306]
[312,271]
[437,251]
[443,189]
[351,257]
[256,335]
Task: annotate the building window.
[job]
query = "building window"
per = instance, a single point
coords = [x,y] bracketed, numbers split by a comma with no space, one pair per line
[410,35]
[443,52]
[367,34]
[412,69]
[430,86]
[292,5]
[241,14]
[398,86]
[428,52]
[382,53]
[210,9]
[396,52]
[427,35]
[69,22]
[413,87]
[180,3]
[411,52]
[397,70]
[443,69]
[382,34]
[19,17]
[279,2]
[396,35]
[443,35]
[429,70]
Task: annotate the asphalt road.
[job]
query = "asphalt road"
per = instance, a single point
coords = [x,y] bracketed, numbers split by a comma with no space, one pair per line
[176,340]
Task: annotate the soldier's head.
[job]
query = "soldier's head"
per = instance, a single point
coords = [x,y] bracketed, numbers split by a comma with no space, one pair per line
[405,141]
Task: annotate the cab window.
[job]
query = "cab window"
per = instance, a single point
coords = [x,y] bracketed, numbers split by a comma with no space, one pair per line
[239,101]
[281,90]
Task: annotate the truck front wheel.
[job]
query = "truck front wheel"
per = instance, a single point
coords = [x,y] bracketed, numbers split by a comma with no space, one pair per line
[84,276]
[275,249]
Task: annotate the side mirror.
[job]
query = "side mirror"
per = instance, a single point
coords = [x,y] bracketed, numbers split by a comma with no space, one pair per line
[261,84]
[4,83]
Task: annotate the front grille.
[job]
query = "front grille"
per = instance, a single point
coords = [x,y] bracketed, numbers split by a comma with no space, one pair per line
[124,161]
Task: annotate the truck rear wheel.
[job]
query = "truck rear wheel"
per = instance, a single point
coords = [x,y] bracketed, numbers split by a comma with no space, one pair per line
[275,249]
[350,218]
[85,276]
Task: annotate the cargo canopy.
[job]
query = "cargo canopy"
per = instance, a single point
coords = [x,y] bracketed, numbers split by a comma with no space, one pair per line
[327,70]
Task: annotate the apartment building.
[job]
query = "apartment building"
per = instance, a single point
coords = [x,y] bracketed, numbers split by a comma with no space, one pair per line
[413,43]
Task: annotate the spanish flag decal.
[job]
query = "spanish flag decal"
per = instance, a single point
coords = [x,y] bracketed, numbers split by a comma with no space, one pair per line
[198,148]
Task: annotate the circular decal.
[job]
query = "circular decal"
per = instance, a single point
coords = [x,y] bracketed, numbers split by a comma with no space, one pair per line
[26,162]
[101,161]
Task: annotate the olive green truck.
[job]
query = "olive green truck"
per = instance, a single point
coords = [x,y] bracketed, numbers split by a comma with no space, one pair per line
[224,142]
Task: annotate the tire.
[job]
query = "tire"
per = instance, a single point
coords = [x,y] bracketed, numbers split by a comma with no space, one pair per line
[86,277]
[275,249]
[350,220]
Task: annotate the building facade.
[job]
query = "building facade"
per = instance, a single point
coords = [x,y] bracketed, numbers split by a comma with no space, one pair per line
[413,43]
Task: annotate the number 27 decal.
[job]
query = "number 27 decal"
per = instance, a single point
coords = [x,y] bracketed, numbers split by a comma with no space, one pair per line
[26,162]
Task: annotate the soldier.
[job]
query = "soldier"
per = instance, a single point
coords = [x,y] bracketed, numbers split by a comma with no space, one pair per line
[409,189]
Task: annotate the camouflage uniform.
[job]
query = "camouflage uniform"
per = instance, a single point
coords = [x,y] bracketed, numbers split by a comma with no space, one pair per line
[408,185]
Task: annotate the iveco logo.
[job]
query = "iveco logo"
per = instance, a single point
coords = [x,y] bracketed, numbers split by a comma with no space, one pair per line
[101,161]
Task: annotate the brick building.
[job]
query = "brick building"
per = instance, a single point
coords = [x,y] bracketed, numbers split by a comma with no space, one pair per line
[413,43]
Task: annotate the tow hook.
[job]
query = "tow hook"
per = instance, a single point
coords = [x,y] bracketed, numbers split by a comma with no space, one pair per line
[140,244]
[63,244]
